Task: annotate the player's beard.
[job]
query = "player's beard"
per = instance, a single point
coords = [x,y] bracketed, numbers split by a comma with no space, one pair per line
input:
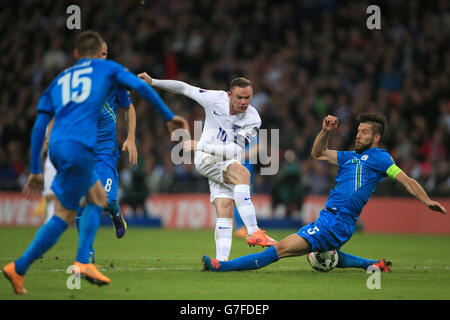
[363,147]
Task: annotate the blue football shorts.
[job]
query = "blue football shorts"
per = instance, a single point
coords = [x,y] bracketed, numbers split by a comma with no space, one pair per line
[75,173]
[327,232]
[106,169]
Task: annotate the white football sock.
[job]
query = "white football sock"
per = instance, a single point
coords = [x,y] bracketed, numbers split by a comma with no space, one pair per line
[223,236]
[245,207]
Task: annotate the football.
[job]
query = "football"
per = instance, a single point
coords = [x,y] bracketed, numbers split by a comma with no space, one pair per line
[323,261]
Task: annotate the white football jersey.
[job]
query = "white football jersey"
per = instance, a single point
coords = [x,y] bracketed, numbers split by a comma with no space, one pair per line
[220,127]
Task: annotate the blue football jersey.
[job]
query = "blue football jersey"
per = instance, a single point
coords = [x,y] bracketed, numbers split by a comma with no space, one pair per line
[107,136]
[76,97]
[356,180]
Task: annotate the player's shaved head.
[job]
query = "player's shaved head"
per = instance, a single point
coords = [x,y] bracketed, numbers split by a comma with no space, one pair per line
[88,43]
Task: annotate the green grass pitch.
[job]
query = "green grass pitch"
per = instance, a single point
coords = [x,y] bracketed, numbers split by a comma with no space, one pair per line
[159,264]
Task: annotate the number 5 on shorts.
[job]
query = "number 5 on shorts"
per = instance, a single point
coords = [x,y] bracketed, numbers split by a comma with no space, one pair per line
[312,231]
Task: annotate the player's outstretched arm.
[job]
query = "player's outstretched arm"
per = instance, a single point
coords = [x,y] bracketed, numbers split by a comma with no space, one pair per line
[174,86]
[320,149]
[415,189]
[129,80]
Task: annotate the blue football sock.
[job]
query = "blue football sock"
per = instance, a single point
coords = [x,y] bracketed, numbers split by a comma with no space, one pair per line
[113,208]
[346,260]
[45,238]
[88,226]
[251,261]
[77,224]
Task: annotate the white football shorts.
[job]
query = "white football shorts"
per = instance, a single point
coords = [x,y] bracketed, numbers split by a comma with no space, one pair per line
[212,167]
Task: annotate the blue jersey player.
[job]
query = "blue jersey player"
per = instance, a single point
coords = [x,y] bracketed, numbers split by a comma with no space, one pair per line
[358,175]
[75,99]
[107,151]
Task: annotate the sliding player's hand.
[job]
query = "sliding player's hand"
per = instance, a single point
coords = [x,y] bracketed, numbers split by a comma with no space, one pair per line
[34,186]
[177,122]
[436,206]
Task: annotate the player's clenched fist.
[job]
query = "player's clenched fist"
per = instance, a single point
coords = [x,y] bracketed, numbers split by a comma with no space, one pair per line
[330,123]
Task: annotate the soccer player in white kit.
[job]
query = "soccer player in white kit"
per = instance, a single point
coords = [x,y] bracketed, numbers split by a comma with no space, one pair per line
[230,125]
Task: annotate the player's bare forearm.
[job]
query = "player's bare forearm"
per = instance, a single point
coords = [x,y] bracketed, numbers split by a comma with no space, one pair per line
[130,117]
[416,190]
[320,144]
[130,142]
[320,149]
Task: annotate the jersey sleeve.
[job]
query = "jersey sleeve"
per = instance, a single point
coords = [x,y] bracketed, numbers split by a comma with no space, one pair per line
[245,135]
[45,104]
[386,164]
[344,156]
[124,78]
[123,97]
[205,98]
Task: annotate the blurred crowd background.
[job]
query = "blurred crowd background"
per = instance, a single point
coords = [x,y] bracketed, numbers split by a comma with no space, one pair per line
[306,59]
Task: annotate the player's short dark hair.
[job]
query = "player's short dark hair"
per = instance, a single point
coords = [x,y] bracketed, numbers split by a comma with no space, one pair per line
[88,43]
[378,122]
[240,82]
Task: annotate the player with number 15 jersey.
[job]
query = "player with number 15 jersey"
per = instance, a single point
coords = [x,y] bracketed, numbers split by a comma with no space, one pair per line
[74,99]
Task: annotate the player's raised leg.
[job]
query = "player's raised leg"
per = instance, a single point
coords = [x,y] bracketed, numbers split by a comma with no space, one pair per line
[106,168]
[119,222]
[239,176]
[241,230]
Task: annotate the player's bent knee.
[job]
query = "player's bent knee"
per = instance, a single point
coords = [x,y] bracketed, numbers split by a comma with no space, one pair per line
[292,246]
[236,174]
[97,195]
[67,215]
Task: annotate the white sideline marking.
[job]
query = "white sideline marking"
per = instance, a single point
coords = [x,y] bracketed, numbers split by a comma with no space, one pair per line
[199,268]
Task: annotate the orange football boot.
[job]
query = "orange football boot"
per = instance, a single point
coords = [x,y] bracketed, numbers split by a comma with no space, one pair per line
[90,273]
[259,238]
[383,265]
[17,281]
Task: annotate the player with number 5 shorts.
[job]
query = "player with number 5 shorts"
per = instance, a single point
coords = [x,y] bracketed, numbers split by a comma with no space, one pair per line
[359,172]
